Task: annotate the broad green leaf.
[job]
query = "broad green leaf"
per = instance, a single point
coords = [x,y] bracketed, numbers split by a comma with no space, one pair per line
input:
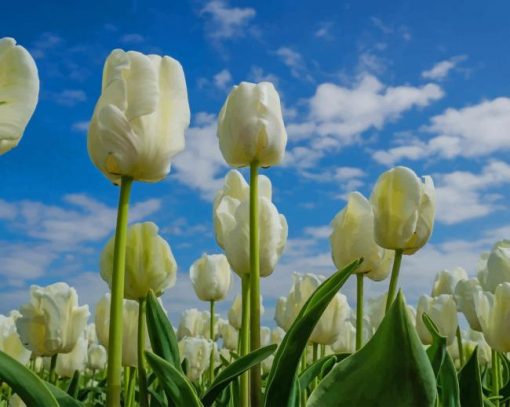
[177,386]
[314,370]
[470,383]
[286,361]
[392,369]
[235,369]
[25,383]
[161,332]
[449,385]
[74,384]
[437,351]
[63,398]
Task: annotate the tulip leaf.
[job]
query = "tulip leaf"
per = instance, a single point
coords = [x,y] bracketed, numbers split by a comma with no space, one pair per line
[437,351]
[233,370]
[63,399]
[25,383]
[448,383]
[314,370]
[286,361]
[470,383]
[392,369]
[161,332]
[177,386]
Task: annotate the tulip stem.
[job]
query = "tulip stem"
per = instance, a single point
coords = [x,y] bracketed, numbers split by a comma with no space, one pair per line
[315,355]
[211,333]
[495,378]
[459,345]
[245,337]
[114,371]
[255,378]
[359,310]
[53,364]
[142,373]
[394,278]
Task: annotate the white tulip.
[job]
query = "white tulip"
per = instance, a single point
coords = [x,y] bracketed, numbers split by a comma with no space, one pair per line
[211,277]
[250,126]
[76,360]
[129,329]
[443,312]
[139,120]
[446,281]
[19,91]
[52,321]
[197,352]
[465,293]
[267,364]
[150,263]
[280,314]
[96,357]
[194,323]
[16,401]
[346,340]
[10,341]
[277,335]
[265,336]
[235,312]
[230,336]
[497,266]
[404,210]
[353,238]
[91,333]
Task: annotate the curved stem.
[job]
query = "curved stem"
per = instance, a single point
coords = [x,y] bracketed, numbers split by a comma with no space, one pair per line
[117,296]
[394,278]
[245,338]
[211,333]
[459,345]
[359,310]
[53,363]
[495,378]
[142,373]
[255,378]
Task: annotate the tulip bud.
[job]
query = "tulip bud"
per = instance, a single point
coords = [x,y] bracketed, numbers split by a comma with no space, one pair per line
[497,266]
[277,335]
[68,363]
[10,341]
[97,357]
[443,312]
[250,126]
[230,336]
[193,323]
[404,209]
[52,321]
[150,264]
[353,238]
[235,312]
[129,329]
[139,121]
[197,352]
[280,314]
[465,293]
[493,312]
[447,280]
[210,276]
[20,91]
[346,340]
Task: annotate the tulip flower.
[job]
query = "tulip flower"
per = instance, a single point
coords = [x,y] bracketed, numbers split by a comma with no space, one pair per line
[404,210]
[446,281]
[197,352]
[235,312]
[494,269]
[19,91]
[230,336]
[150,264]
[465,293]
[75,360]
[346,340]
[96,357]
[443,312]
[376,311]
[52,321]
[193,323]
[250,126]
[280,314]
[210,276]
[139,120]
[10,341]
[277,335]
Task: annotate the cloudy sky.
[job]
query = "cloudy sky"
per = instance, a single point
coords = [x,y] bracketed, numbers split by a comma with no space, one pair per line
[366,85]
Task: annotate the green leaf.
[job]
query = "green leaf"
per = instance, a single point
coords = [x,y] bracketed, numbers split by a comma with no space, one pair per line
[176,385]
[286,361]
[235,369]
[63,398]
[74,384]
[470,383]
[25,383]
[449,385]
[392,369]
[161,332]
[314,370]
[437,351]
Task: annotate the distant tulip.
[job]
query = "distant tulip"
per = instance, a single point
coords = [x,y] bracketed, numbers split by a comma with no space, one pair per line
[97,356]
[280,314]
[68,363]
[277,335]
[250,126]
[493,312]
[234,313]
[150,264]
[446,281]
[404,210]
[197,352]
[140,118]
[443,312]
[230,335]
[465,293]
[129,329]
[497,266]
[346,340]
[211,277]
[193,323]
[19,91]
[353,238]
[10,341]
[52,321]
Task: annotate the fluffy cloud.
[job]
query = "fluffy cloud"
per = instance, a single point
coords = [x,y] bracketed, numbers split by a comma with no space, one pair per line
[222,79]
[441,70]
[294,61]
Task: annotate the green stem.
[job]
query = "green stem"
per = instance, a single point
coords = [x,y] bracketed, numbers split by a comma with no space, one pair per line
[322,352]
[394,278]
[255,377]
[130,393]
[117,296]
[245,338]
[315,356]
[142,373]
[303,395]
[359,310]
[211,333]
[53,363]
[495,378]
[459,345]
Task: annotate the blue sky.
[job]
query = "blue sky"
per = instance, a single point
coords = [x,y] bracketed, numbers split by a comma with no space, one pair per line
[365,85]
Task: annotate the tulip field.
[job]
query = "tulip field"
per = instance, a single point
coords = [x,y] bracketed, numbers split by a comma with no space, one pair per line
[451,350]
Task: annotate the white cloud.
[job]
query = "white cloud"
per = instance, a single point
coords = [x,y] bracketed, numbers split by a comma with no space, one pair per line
[68,97]
[295,61]
[200,166]
[324,30]
[257,74]
[222,79]
[441,70]
[45,42]
[132,39]
[226,22]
